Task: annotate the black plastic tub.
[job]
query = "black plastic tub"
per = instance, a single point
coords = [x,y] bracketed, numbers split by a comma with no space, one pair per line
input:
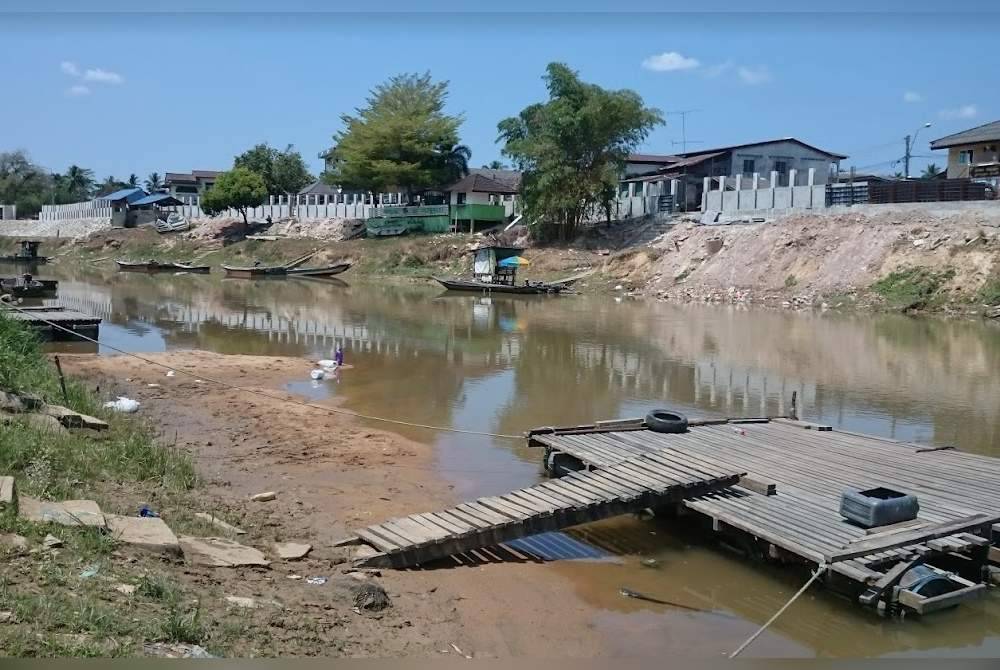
[878,506]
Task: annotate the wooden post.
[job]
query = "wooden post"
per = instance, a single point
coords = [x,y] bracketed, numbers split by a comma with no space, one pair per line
[795,405]
[62,381]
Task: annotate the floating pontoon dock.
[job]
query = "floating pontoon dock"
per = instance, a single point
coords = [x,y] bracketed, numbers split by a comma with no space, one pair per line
[42,318]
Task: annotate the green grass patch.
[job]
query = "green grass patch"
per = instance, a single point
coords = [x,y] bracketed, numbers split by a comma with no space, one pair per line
[791,281]
[912,288]
[990,292]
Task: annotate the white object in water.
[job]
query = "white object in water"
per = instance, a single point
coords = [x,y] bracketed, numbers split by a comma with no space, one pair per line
[170,373]
[327,363]
[317,374]
[123,404]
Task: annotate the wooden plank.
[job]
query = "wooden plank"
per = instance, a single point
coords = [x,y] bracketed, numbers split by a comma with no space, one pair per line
[923,605]
[377,541]
[808,425]
[485,513]
[757,486]
[902,539]
[994,555]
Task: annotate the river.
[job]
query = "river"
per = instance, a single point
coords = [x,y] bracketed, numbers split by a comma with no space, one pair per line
[504,365]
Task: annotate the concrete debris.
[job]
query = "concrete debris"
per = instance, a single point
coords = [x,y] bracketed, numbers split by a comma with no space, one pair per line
[10,402]
[219,523]
[6,617]
[241,602]
[176,650]
[46,423]
[291,551]
[66,513]
[371,596]
[8,493]
[127,589]
[52,542]
[220,552]
[264,497]
[149,533]
[13,543]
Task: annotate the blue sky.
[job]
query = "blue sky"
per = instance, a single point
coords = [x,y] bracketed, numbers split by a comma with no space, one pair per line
[123,91]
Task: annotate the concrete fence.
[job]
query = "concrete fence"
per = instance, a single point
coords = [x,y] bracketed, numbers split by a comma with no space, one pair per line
[743,194]
[8,212]
[92,209]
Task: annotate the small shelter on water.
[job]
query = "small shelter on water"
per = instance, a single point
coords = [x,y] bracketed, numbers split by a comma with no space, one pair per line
[488,265]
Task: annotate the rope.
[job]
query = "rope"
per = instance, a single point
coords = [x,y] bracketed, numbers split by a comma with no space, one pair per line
[819,571]
[265,394]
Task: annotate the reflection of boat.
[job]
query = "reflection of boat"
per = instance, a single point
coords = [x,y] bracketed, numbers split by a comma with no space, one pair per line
[494,270]
[156,266]
[523,289]
[263,271]
[27,254]
[28,287]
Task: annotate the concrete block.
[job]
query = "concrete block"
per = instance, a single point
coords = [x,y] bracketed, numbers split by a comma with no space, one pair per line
[66,513]
[148,533]
[220,552]
[709,216]
[8,493]
[291,551]
[219,523]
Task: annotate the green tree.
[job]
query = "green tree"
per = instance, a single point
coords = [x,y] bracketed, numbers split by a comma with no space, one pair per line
[154,182]
[572,148]
[133,180]
[238,189]
[495,165]
[79,182]
[282,171]
[931,171]
[401,139]
[109,185]
[23,183]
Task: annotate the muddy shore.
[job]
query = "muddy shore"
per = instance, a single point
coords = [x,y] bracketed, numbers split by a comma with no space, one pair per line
[332,474]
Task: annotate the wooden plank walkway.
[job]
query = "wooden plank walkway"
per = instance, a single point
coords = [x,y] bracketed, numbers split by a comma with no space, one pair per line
[633,484]
[807,470]
[41,319]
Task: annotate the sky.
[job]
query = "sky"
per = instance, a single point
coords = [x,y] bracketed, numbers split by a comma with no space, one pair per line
[187,85]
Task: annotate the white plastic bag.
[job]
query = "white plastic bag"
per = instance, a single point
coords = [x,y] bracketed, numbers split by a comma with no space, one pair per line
[123,404]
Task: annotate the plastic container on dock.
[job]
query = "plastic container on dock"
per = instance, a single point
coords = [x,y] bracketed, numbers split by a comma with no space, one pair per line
[878,506]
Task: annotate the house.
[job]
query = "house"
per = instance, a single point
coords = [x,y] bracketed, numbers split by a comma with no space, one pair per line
[480,196]
[119,201]
[973,153]
[185,185]
[779,156]
[643,164]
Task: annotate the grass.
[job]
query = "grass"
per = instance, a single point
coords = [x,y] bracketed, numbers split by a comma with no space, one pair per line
[791,281]
[912,288]
[990,292]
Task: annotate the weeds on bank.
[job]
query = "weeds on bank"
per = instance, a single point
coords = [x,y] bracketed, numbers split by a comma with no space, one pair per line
[912,288]
[990,292]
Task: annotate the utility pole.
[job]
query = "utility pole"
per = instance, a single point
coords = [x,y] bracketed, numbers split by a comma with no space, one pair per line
[910,141]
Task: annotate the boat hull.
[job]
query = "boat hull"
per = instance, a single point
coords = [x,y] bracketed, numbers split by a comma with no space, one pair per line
[125,266]
[481,287]
[277,272]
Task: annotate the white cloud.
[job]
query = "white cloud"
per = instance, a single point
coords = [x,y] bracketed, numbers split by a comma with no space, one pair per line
[77,90]
[103,76]
[752,75]
[912,96]
[70,68]
[670,61]
[963,112]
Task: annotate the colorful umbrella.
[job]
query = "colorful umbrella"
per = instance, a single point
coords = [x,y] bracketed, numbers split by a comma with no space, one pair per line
[513,260]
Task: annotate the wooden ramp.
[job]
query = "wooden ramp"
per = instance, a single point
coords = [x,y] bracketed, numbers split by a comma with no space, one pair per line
[647,480]
[42,318]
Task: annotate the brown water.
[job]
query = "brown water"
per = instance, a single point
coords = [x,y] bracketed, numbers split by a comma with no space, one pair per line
[504,365]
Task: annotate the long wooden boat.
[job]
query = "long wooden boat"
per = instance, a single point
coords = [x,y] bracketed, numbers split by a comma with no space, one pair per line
[278,271]
[34,288]
[156,266]
[483,287]
[26,260]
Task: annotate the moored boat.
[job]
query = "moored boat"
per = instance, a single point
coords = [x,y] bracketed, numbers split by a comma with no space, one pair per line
[27,254]
[28,287]
[279,271]
[523,289]
[494,270]
[156,266]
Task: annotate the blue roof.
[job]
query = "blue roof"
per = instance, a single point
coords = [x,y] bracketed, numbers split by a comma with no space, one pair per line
[126,194]
[155,198]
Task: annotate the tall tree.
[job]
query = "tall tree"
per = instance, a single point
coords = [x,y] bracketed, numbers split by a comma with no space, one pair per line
[238,189]
[454,163]
[495,165]
[400,139]
[133,180]
[154,182]
[23,183]
[572,148]
[282,171]
[79,182]
[109,185]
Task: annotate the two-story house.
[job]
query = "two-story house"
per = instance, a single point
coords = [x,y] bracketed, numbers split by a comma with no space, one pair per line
[973,153]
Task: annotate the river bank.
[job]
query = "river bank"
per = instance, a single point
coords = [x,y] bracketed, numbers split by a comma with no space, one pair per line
[910,259]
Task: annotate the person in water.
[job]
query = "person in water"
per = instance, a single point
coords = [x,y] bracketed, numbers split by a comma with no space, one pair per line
[338,356]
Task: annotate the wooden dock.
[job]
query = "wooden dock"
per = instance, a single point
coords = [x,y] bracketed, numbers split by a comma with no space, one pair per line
[42,318]
[787,505]
[632,484]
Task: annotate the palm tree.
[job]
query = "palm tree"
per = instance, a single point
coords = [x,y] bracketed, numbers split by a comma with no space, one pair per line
[133,180]
[931,171]
[79,181]
[153,182]
[495,165]
[454,162]
[109,185]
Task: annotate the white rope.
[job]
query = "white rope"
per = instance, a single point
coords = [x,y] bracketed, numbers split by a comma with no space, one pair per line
[265,394]
[819,571]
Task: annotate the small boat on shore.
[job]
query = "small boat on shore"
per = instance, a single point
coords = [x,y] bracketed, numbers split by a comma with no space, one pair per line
[27,286]
[156,266]
[281,271]
[528,288]
[27,254]
[494,270]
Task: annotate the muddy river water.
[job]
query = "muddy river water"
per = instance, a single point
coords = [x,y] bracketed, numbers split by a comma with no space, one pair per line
[504,365]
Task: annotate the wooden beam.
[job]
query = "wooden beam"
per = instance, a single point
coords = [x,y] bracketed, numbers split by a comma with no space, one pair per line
[758,486]
[865,547]
[808,425]
[922,605]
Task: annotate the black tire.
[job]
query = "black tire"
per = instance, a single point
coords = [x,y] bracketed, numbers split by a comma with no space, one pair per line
[666,421]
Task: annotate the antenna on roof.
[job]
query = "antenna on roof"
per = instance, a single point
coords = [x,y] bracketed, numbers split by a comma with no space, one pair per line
[683,114]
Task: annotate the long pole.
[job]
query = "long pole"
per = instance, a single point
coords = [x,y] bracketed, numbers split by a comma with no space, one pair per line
[906,158]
